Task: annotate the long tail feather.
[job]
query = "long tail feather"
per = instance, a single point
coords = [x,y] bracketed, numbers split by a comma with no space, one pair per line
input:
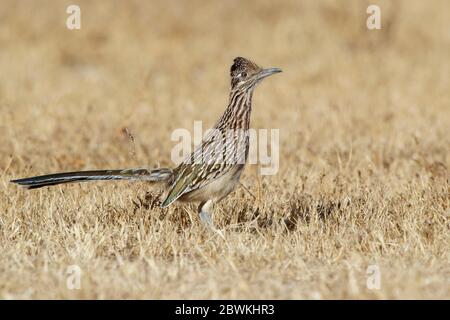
[155,175]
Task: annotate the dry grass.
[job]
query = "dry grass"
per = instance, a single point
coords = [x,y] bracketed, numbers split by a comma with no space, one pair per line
[364,119]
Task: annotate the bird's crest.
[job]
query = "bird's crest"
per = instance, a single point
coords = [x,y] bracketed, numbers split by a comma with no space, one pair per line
[243,65]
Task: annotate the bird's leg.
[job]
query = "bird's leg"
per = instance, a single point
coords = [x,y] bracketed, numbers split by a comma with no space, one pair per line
[204,212]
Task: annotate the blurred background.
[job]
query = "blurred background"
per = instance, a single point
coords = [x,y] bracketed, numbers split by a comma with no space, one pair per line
[364,119]
[153,66]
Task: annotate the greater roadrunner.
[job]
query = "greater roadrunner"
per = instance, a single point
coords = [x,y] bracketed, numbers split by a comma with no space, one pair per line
[212,170]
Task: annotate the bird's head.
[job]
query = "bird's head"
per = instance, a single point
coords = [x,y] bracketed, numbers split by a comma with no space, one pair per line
[245,74]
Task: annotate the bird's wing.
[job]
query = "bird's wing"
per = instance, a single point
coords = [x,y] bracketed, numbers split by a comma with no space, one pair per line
[193,177]
[216,156]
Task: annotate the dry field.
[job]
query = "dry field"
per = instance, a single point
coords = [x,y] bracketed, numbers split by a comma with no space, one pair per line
[364,119]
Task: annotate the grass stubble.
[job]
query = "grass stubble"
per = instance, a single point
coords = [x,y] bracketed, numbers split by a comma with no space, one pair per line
[364,119]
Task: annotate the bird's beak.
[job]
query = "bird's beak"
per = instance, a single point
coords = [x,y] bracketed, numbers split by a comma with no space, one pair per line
[267,72]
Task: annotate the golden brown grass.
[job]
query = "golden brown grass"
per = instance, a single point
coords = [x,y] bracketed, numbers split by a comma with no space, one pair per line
[364,119]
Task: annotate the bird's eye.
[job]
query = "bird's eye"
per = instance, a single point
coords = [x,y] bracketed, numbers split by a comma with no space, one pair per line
[244,74]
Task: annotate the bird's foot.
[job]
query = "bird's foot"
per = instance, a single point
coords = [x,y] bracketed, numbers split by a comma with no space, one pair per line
[207,221]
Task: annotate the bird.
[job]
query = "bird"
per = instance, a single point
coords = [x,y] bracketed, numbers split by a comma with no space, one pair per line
[211,171]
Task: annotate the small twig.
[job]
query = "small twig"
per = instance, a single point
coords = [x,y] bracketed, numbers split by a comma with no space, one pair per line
[133,144]
[246,189]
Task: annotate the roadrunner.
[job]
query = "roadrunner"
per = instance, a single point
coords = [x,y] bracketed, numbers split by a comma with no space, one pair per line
[212,170]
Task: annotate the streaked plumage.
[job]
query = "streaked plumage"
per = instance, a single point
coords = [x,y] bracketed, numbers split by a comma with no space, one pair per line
[212,170]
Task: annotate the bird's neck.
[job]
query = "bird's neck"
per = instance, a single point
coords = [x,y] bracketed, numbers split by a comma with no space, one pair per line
[237,114]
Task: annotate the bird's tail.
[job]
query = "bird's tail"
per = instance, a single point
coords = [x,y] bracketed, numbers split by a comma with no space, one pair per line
[156,175]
